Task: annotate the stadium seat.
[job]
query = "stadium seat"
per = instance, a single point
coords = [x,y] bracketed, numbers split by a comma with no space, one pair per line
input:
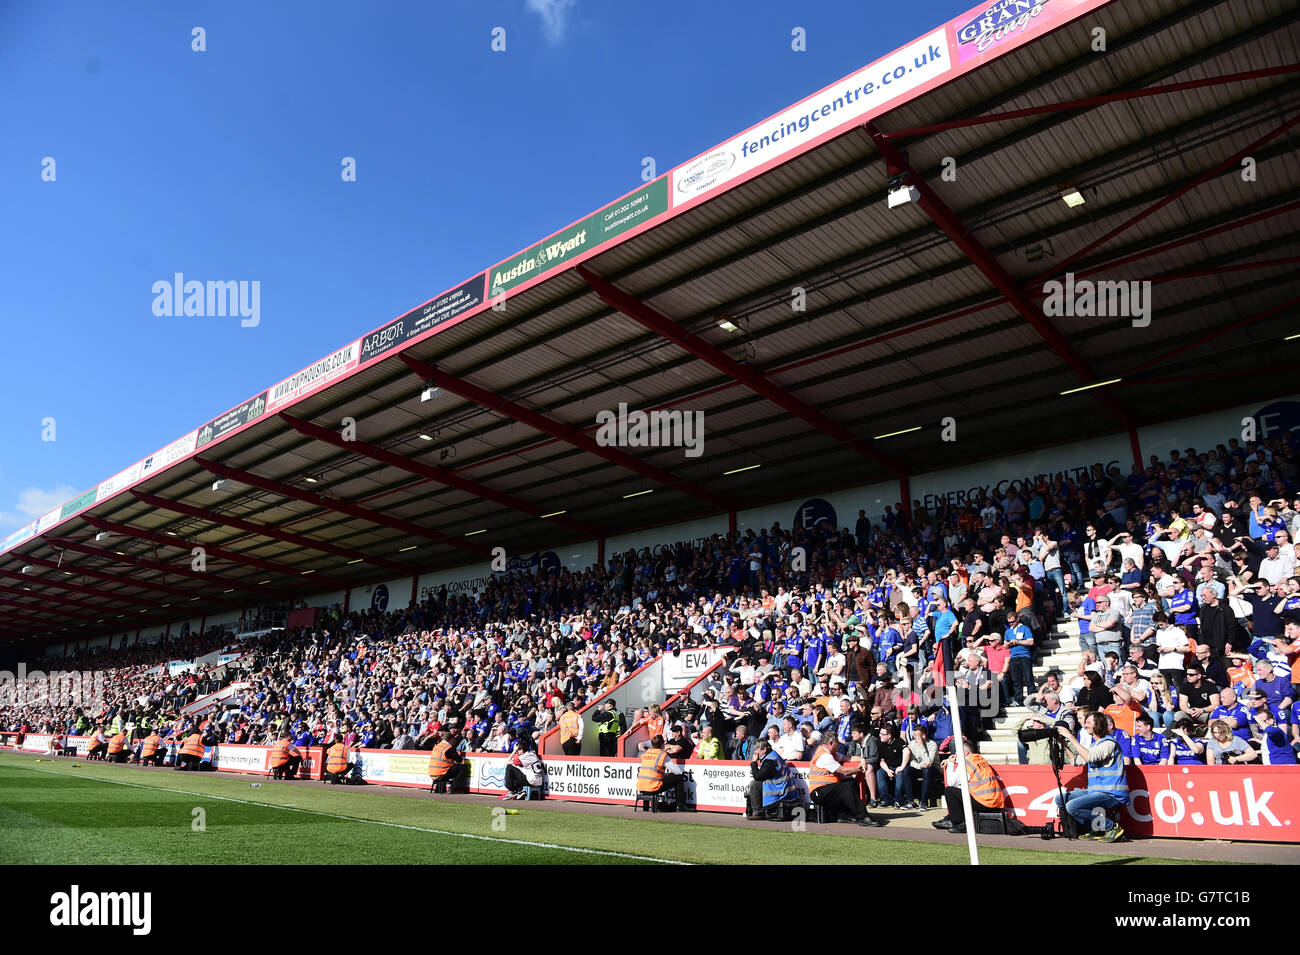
[650,802]
[823,814]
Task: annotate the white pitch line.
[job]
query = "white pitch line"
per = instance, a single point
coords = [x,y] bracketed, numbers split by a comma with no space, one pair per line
[373,822]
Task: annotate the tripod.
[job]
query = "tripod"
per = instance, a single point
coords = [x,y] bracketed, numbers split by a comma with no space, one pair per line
[1057,758]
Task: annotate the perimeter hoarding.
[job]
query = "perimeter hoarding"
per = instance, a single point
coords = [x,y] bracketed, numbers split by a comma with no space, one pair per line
[1241,803]
[225,757]
[963,44]
[78,503]
[118,482]
[165,457]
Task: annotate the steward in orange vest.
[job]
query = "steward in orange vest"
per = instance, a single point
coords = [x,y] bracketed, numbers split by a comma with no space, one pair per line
[659,774]
[191,754]
[830,782]
[571,731]
[447,769]
[986,790]
[151,751]
[285,759]
[336,763]
[117,752]
[98,744]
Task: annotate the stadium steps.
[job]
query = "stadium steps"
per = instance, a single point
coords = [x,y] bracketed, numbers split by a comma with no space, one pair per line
[1060,651]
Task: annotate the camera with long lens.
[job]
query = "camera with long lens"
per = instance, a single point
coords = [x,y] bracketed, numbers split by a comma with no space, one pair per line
[1058,756]
[1055,744]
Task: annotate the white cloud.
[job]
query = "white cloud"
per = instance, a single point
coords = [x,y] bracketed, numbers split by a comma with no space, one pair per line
[34,502]
[554,14]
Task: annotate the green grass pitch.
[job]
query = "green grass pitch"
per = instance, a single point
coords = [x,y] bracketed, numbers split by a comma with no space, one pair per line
[55,813]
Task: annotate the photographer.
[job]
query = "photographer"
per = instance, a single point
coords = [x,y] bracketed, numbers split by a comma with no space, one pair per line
[1107,783]
[1033,734]
[1224,747]
[524,768]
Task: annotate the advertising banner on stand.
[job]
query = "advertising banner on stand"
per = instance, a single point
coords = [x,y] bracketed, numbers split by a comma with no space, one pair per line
[314,377]
[1240,803]
[420,320]
[560,249]
[235,418]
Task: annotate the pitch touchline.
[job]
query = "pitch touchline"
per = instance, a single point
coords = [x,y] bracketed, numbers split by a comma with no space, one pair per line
[373,822]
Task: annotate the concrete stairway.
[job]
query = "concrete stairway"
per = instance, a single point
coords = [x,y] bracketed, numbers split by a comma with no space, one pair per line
[1061,652]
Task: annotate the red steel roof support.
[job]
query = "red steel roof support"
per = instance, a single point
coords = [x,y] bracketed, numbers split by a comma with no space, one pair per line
[264,530]
[28,609]
[126,530]
[75,588]
[952,226]
[27,620]
[80,571]
[340,507]
[160,567]
[1091,101]
[563,432]
[433,473]
[1257,317]
[1060,268]
[641,313]
[14,593]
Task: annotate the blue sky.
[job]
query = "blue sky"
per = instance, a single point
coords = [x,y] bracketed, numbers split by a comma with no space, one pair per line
[225,165]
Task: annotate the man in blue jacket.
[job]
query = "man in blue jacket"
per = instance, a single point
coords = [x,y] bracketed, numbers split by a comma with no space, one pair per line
[775,784]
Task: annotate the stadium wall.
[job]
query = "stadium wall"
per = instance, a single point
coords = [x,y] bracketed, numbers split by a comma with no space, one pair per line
[960,484]
[666,535]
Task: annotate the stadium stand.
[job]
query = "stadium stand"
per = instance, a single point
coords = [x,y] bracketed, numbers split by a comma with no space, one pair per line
[1123,589]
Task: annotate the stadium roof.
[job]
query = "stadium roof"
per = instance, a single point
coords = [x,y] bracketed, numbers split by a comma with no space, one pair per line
[1179,136]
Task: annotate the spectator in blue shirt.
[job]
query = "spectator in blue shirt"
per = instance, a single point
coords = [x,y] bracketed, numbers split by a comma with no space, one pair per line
[1276,689]
[1182,608]
[1145,748]
[1021,641]
[1185,749]
[945,625]
[1083,613]
[888,644]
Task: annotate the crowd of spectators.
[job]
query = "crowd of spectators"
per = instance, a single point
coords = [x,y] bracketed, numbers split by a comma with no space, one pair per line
[1180,575]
